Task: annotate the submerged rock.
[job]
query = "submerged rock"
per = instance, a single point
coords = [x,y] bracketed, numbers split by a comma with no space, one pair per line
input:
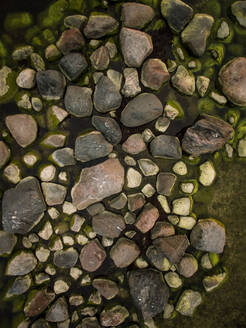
[134,144]
[108,127]
[184,81]
[113,316]
[37,302]
[136,15]
[147,218]
[70,40]
[51,84]
[54,193]
[78,101]
[131,86]
[100,25]
[58,311]
[26,78]
[19,286]
[107,288]
[73,65]
[65,259]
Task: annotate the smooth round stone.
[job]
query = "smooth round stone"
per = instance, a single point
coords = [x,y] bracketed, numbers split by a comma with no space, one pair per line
[188,302]
[47,173]
[165,183]
[107,288]
[73,65]
[37,62]
[187,187]
[188,266]
[131,86]
[180,168]
[21,264]
[19,286]
[60,286]
[54,193]
[182,206]
[77,21]
[78,101]
[63,157]
[124,252]
[173,280]
[26,78]
[12,173]
[207,174]
[134,144]
[70,40]
[223,30]
[108,127]
[134,178]
[51,84]
[92,256]
[66,258]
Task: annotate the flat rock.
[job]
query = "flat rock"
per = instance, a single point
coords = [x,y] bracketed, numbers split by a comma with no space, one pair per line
[73,65]
[141,110]
[7,243]
[21,264]
[113,316]
[91,146]
[136,15]
[124,252]
[22,206]
[107,288]
[154,74]
[148,167]
[238,9]
[63,157]
[131,86]
[188,266]
[100,58]
[38,302]
[23,128]
[165,183]
[184,81]
[51,84]
[92,256]
[162,229]
[206,136]
[98,182]
[149,291]
[78,101]
[65,259]
[70,40]
[19,286]
[165,146]
[4,154]
[147,218]
[108,127]
[108,224]
[188,302]
[58,311]
[54,193]
[136,46]
[134,144]
[100,25]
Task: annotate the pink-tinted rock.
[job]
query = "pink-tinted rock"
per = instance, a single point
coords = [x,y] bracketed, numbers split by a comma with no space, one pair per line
[147,218]
[108,224]
[135,201]
[162,229]
[98,182]
[124,252]
[92,256]
[154,74]
[70,40]
[38,302]
[134,144]
[4,154]
[107,288]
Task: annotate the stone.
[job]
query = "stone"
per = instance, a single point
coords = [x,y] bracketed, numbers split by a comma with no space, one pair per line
[242,148]
[90,322]
[187,222]
[182,206]
[130,161]
[7,243]
[37,104]
[177,13]
[4,153]
[208,235]
[147,218]
[136,46]
[173,247]
[135,201]
[206,136]
[180,168]
[187,187]
[108,127]
[37,62]
[78,101]
[23,128]
[169,309]
[207,173]
[162,124]
[212,282]
[21,264]
[100,25]
[60,286]
[157,258]
[124,252]
[26,79]
[108,224]
[95,209]
[223,31]
[73,65]
[148,167]
[112,48]
[98,182]
[54,140]
[42,254]
[52,53]
[188,266]
[51,84]
[188,302]
[58,311]
[91,146]
[184,81]
[154,74]
[65,259]
[92,256]
[134,144]
[221,100]
[115,77]
[195,35]
[113,316]
[141,110]
[171,112]
[40,323]
[22,53]
[238,10]
[54,193]
[164,203]
[133,178]
[63,157]
[165,183]
[165,146]
[22,206]
[46,231]
[47,173]
[100,59]
[149,291]
[119,202]
[37,302]
[70,40]
[136,15]
[162,229]
[173,280]
[12,173]
[55,115]
[148,135]
[77,21]
[131,86]
[112,101]
[107,288]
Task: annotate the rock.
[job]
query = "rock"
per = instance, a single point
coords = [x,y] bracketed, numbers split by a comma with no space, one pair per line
[184,81]
[173,280]
[195,35]
[51,84]
[65,259]
[47,173]
[242,148]
[21,264]
[208,235]
[182,206]
[187,187]
[7,243]
[223,31]
[202,84]
[52,53]
[4,154]
[40,323]
[108,224]
[133,178]
[108,127]
[221,100]
[165,183]
[147,218]
[172,111]
[100,25]
[149,291]
[131,86]
[37,302]
[23,128]
[136,46]
[238,10]
[55,115]
[188,266]
[22,206]
[162,124]
[154,74]
[115,77]
[54,140]
[136,15]
[113,100]
[212,282]
[134,144]
[180,168]
[107,288]
[73,65]
[187,222]
[207,173]
[165,146]
[162,229]
[12,173]
[92,256]
[124,252]
[188,302]
[173,247]
[22,53]
[119,202]
[60,286]
[135,201]
[206,136]
[58,311]
[143,109]
[70,40]
[98,182]
[90,322]
[26,79]
[8,87]
[77,21]
[37,62]
[63,157]
[148,167]
[100,59]
[113,316]
[78,101]
[54,193]
[177,13]
[157,258]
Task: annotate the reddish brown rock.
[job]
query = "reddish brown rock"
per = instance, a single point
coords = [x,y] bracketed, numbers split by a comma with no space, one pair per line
[147,218]
[37,302]
[4,154]
[154,74]
[162,229]
[92,256]
[107,288]
[136,201]
[108,224]
[134,144]
[124,252]
[113,316]
[98,182]
[136,15]
[70,40]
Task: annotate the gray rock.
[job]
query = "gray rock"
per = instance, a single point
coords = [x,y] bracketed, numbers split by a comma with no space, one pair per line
[154,74]
[90,322]
[131,86]
[162,229]
[136,46]
[184,81]
[136,15]
[113,316]
[100,25]
[100,58]
[118,202]
[143,109]
[21,264]
[4,154]
[165,183]
[63,157]
[77,21]
[108,127]
[51,84]
[7,243]
[58,311]
[124,252]
[208,235]
[149,291]
[107,288]
[157,258]
[188,302]
[91,146]
[78,101]
[108,224]
[70,40]
[134,144]
[224,30]
[65,259]
[238,9]
[54,193]
[19,286]
[73,65]
[165,146]
[40,323]
[195,35]
[188,266]
[22,206]
[148,167]
[22,53]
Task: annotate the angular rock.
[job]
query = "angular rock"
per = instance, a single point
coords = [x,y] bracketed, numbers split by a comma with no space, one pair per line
[54,193]
[188,266]
[90,322]
[63,157]
[195,35]
[22,206]
[7,243]
[147,218]
[124,252]
[212,282]
[162,229]
[131,86]
[113,316]
[206,136]
[208,235]
[23,128]
[148,167]
[149,291]
[65,259]
[119,202]
[136,15]
[157,258]
[51,84]
[92,256]
[21,264]
[202,84]
[70,40]
[136,46]
[238,9]
[134,144]
[143,109]
[165,183]
[100,25]
[188,302]
[73,65]
[165,146]
[38,302]
[78,101]
[4,154]
[154,74]
[19,286]
[184,81]
[98,182]
[135,201]
[107,288]
[108,224]
[58,311]
[26,78]
[108,127]
[182,206]
[223,31]
[100,58]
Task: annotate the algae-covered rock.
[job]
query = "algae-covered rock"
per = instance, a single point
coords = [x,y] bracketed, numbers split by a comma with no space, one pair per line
[212,282]
[188,302]
[207,173]
[4,154]
[184,81]
[17,21]
[8,87]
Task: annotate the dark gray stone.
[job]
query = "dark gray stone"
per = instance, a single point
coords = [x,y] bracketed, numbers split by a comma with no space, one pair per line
[19,286]
[65,258]
[108,224]
[100,59]
[78,101]
[73,65]
[165,183]
[58,311]
[108,127]
[7,243]
[100,25]
[157,258]
[165,146]
[40,323]
[51,84]
[63,157]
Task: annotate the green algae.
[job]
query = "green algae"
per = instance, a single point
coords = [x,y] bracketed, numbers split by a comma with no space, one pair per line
[18,21]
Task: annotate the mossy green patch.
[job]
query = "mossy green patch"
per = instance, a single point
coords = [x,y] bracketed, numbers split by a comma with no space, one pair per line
[12,88]
[18,21]
[78,5]
[53,16]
